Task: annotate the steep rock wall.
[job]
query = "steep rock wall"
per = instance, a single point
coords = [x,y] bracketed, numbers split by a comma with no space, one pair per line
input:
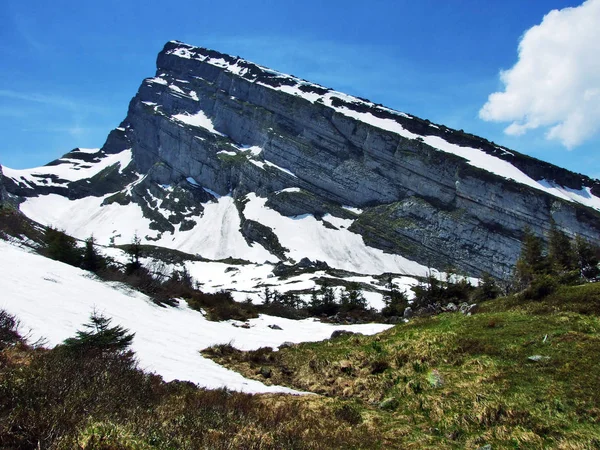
[235,127]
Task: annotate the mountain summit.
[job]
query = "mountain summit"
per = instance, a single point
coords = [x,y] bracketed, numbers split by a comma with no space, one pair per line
[221,157]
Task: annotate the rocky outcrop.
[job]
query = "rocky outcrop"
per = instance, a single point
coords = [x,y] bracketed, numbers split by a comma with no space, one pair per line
[235,127]
[256,232]
[4,198]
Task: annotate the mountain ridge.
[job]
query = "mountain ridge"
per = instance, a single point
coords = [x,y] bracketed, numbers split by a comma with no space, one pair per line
[210,129]
[530,165]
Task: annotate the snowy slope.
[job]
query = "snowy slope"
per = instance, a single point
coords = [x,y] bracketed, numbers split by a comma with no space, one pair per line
[248,281]
[339,248]
[52,300]
[84,163]
[217,234]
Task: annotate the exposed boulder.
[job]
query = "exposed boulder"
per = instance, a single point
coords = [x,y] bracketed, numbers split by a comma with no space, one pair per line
[467,309]
[340,333]
[451,307]
[304,265]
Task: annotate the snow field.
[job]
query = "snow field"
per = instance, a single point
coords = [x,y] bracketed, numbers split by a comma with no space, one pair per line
[53,300]
[200,119]
[217,234]
[340,248]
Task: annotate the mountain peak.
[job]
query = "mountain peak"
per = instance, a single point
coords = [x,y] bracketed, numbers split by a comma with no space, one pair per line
[363,109]
[226,158]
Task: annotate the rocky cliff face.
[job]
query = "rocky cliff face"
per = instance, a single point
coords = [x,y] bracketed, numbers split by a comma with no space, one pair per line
[437,196]
[3,192]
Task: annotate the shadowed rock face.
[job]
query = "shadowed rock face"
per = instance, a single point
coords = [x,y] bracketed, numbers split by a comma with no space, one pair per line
[3,192]
[236,127]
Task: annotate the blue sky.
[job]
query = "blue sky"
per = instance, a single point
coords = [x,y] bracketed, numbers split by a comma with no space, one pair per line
[70,68]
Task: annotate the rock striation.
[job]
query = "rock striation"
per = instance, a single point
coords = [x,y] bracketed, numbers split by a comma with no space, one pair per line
[438,196]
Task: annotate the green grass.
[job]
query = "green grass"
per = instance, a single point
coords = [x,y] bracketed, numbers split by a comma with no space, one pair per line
[455,381]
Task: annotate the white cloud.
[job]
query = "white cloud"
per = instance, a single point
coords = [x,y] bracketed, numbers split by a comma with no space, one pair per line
[555,84]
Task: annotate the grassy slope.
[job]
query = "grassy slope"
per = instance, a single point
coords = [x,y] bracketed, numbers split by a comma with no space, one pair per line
[443,382]
[453,381]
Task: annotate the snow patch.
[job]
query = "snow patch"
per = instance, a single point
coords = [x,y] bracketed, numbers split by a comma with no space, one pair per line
[192,181]
[269,163]
[69,169]
[352,209]
[341,248]
[176,88]
[158,80]
[200,119]
[57,299]
[291,190]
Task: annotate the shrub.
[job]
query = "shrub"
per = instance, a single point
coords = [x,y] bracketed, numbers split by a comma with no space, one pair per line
[8,329]
[540,287]
[487,289]
[588,256]
[45,401]
[379,365]
[348,413]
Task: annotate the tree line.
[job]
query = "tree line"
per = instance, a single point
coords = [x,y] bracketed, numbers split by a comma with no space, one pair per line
[539,270]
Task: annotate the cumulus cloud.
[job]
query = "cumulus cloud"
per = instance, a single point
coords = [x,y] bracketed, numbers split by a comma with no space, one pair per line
[555,84]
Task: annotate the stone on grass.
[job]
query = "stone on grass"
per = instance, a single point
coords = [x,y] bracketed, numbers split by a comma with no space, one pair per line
[339,333]
[538,358]
[265,372]
[389,404]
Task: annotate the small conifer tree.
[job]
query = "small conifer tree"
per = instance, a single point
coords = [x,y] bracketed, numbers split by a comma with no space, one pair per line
[314,304]
[588,258]
[134,250]
[91,261]
[99,337]
[267,296]
[532,261]
[328,301]
[323,302]
[356,299]
[395,300]
[561,254]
